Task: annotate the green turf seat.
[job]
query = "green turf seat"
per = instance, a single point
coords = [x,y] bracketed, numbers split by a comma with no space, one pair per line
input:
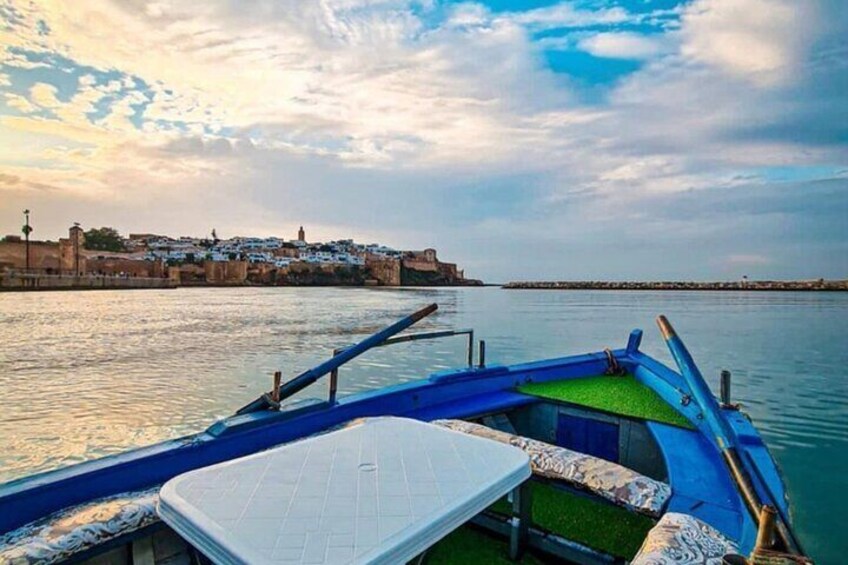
[617,395]
[611,481]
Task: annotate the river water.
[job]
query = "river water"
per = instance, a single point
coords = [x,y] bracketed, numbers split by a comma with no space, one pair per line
[85,374]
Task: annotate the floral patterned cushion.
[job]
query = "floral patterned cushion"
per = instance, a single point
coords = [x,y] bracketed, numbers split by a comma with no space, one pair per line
[79,528]
[679,539]
[608,480]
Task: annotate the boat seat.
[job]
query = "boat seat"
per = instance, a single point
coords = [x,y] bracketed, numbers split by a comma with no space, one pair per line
[681,538]
[77,529]
[611,481]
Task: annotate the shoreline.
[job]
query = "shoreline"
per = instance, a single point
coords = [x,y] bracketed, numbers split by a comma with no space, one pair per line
[44,288]
[116,283]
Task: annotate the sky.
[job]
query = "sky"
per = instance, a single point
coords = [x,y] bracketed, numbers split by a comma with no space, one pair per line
[573,140]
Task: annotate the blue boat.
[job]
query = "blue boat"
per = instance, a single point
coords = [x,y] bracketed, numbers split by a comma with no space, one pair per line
[605,457]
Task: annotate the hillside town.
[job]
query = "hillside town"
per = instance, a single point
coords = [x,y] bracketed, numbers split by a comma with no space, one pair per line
[104,255]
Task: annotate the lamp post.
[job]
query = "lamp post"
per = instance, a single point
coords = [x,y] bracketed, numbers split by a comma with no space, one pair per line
[27,229]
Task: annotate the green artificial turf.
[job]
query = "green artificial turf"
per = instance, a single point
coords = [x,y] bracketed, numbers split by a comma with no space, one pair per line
[468,545]
[593,523]
[622,395]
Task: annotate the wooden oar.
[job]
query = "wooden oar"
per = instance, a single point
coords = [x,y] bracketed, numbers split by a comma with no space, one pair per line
[308,377]
[722,431]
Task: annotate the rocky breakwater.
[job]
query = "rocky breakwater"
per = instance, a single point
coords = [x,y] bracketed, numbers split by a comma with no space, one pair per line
[809,285]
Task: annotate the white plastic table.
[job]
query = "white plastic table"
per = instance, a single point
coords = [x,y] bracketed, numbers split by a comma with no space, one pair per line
[379,492]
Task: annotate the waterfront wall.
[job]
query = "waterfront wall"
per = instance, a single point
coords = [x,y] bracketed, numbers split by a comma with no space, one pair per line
[131,267]
[225,272]
[14,281]
[43,255]
[421,265]
[302,274]
[46,256]
[385,271]
[818,284]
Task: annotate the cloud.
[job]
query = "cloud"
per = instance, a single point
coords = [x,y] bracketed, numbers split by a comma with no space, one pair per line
[623,45]
[566,14]
[19,103]
[748,259]
[44,95]
[9,179]
[763,41]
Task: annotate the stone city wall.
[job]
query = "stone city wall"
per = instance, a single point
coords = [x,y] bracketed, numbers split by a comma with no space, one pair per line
[44,255]
[421,265]
[385,271]
[16,281]
[118,266]
[225,272]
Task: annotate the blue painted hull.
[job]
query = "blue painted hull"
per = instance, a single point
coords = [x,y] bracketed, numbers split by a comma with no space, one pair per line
[701,483]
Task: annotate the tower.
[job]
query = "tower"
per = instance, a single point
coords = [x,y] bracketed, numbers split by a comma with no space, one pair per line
[77,237]
[301,235]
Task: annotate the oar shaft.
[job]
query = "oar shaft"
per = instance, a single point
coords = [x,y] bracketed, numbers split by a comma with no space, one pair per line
[697,385]
[718,425]
[310,376]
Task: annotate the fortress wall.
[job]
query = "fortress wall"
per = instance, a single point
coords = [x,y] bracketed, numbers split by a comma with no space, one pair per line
[43,255]
[225,272]
[385,271]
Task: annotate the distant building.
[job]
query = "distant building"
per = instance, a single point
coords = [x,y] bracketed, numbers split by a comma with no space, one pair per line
[301,235]
[77,237]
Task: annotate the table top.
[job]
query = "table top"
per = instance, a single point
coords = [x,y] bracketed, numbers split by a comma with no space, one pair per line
[381,491]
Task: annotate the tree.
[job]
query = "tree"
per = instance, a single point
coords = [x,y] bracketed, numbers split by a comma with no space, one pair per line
[104,239]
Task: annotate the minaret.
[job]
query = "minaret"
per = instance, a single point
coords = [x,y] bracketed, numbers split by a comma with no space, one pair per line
[301,235]
[77,237]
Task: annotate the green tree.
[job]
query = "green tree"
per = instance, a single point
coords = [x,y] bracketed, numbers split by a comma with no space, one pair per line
[104,239]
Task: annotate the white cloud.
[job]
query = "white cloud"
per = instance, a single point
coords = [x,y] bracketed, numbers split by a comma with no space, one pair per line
[87,80]
[759,40]
[19,103]
[44,95]
[565,14]
[12,59]
[748,259]
[624,45]
[469,14]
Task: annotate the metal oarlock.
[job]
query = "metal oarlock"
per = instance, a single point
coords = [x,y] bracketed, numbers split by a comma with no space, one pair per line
[766,529]
[275,392]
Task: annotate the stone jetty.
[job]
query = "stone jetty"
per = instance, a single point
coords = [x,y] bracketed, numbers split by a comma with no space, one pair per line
[810,285]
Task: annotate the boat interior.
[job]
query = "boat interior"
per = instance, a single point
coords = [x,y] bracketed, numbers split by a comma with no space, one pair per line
[623,470]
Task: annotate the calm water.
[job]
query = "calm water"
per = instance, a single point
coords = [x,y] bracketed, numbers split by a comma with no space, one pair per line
[86,374]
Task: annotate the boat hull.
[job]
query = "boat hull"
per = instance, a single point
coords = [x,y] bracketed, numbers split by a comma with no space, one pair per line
[701,483]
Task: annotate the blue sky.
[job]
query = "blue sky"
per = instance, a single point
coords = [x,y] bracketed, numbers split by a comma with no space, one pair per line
[631,139]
